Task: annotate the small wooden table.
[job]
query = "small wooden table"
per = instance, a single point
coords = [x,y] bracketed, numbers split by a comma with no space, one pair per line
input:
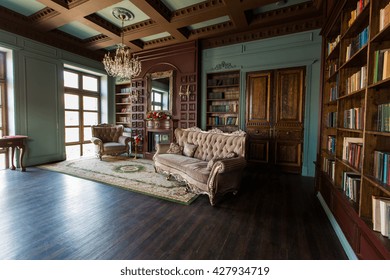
[14,141]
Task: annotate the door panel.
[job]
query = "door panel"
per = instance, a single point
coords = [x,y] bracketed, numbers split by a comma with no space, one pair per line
[275,102]
[259,114]
[289,93]
[259,150]
[258,99]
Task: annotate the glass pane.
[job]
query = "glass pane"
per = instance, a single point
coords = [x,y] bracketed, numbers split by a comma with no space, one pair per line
[90,118]
[1,94]
[71,134]
[90,103]
[87,134]
[157,97]
[2,161]
[90,83]
[71,79]
[1,133]
[88,149]
[72,152]
[71,101]
[71,118]
[1,117]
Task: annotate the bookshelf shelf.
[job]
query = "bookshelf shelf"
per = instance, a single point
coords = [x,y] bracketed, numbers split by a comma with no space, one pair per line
[356,71]
[223,96]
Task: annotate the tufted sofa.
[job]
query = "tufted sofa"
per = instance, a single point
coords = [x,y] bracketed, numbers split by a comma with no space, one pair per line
[109,140]
[216,166]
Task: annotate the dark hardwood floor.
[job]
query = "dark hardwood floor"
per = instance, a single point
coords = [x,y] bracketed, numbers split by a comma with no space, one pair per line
[48,215]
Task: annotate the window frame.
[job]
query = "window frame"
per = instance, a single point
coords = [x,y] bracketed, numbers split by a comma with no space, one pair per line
[81,93]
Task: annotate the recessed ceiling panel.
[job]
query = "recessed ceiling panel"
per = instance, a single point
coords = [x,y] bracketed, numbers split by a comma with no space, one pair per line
[277,5]
[174,5]
[78,30]
[155,36]
[138,14]
[24,7]
[209,22]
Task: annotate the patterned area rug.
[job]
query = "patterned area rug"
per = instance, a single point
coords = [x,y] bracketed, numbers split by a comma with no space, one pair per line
[131,174]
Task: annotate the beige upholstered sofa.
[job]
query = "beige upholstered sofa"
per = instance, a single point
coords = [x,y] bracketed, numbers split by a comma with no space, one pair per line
[109,140]
[209,162]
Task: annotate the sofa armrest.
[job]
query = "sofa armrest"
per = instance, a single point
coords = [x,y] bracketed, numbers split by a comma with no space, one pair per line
[162,148]
[225,176]
[124,139]
[228,165]
[97,141]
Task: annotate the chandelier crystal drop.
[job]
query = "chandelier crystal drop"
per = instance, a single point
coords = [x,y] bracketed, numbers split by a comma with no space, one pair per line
[122,65]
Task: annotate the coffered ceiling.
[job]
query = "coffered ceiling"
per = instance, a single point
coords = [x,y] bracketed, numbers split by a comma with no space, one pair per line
[87,27]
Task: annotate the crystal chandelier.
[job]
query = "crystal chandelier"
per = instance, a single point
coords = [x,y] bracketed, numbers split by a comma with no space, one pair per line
[122,65]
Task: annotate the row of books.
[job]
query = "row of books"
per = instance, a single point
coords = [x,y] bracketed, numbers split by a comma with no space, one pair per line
[332,45]
[126,110]
[331,145]
[217,120]
[334,93]
[353,118]
[360,5]
[353,151]
[357,80]
[124,119]
[332,67]
[357,43]
[384,117]
[381,214]
[223,81]
[228,108]
[329,167]
[381,166]
[381,65]
[351,185]
[223,95]
[332,119]
[384,17]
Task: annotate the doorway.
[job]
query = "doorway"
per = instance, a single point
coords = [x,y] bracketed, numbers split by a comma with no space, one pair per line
[275,117]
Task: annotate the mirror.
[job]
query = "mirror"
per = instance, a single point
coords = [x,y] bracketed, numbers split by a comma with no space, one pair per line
[160,91]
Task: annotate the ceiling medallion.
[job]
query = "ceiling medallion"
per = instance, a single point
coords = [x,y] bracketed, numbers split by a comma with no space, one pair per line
[122,65]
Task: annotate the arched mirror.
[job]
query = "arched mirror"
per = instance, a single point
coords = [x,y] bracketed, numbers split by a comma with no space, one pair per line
[160,91]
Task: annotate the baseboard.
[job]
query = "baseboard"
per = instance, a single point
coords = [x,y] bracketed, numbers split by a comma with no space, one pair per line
[343,240]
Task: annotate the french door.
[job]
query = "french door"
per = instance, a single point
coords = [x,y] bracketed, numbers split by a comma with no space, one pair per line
[274,117]
[82,110]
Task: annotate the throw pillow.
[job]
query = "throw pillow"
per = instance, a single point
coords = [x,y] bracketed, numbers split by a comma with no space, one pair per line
[215,159]
[189,149]
[175,148]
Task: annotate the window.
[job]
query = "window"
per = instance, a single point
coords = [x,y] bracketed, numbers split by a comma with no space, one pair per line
[156,99]
[82,103]
[3,110]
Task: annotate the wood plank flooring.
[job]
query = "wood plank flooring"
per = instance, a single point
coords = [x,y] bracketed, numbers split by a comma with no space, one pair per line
[48,215]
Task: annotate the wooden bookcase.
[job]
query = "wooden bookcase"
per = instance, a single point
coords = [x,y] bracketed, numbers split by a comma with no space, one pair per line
[350,135]
[131,113]
[223,99]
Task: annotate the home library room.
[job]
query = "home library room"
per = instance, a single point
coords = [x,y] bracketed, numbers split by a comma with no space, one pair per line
[355,134]
[223,96]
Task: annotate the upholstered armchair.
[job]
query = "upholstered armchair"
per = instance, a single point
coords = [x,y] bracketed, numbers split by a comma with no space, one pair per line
[109,140]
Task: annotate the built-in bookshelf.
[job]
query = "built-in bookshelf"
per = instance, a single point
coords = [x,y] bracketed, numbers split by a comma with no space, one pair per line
[130,109]
[223,96]
[355,135]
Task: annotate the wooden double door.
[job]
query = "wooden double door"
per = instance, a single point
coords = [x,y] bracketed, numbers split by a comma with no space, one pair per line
[275,117]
